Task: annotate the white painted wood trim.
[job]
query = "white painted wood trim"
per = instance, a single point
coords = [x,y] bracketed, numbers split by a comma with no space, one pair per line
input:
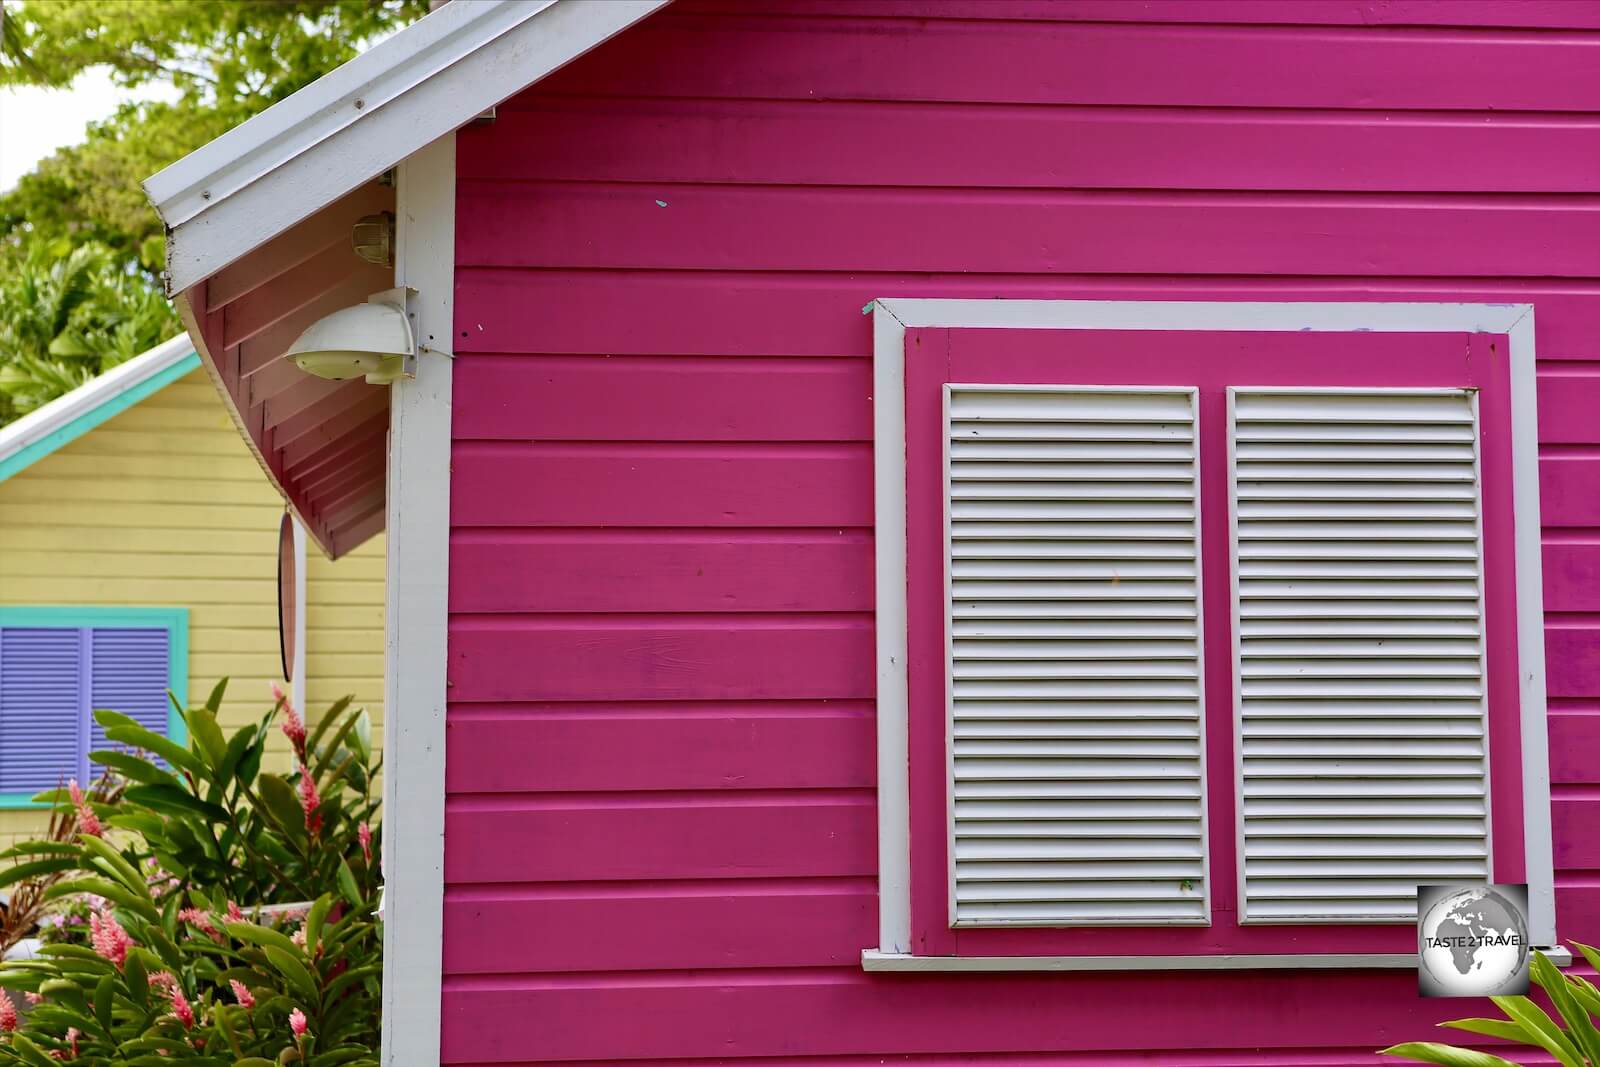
[889,539]
[891,318]
[351,125]
[415,633]
[873,960]
[1538,843]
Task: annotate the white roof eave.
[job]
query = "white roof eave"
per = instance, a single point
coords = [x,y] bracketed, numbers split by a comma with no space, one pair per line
[349,126]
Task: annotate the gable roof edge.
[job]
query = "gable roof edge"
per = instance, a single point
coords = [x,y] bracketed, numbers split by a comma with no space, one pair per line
[349,126]
[67,418]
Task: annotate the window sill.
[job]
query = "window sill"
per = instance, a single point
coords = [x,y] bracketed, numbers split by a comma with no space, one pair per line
[874,960]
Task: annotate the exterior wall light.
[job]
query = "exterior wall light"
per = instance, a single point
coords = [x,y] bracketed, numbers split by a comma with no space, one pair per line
[372,339]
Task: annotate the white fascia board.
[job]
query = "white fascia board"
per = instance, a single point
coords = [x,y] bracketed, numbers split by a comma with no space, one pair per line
[873,960]
[91,395]
[351,125]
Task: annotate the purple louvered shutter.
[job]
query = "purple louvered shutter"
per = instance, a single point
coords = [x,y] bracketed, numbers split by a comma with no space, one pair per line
[43,698]
[128,673]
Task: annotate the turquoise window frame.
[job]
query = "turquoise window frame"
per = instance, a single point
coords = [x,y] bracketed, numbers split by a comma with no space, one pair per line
[76,617]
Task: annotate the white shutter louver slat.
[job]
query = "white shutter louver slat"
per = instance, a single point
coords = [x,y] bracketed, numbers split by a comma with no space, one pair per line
[1357,563]
[1075,668]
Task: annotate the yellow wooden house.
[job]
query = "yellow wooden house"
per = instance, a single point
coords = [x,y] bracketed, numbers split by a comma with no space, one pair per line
[139,553]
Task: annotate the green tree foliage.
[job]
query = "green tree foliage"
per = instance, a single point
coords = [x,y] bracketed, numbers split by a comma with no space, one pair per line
[225,61]
[68,314]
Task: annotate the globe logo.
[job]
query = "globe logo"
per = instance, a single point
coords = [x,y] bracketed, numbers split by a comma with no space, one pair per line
[1472,940]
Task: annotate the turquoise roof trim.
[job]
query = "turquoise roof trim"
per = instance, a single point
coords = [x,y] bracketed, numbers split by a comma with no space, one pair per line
[113,403]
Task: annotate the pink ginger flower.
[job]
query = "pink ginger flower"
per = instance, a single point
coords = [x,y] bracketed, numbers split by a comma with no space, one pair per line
[181,1009]
[202,922]
[108,937]
[8,1013]
[364,835]
[309,801]
[297,1023]
[235,914]
[165,981]
[72,1044]
[293,727]
[299,937]
[34,999]
[242,994]
[88,821]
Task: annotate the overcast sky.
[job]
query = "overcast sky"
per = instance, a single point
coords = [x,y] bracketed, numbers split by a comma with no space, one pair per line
[36,122]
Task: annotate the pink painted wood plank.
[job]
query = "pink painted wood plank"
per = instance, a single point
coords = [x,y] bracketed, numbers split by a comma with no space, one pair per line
[660,485]
[1573,822]
[1572,663]
[1575,747]
[810,229]
[695,658]
[1569,408]
[623,398]
[733,313]
[809,748]
[1567,491]
[762,836]
[1060,63]
[605,571]
[1550,14]
[847,1012]
[1572,576]
[789,924]
[1577,902]
[774,142]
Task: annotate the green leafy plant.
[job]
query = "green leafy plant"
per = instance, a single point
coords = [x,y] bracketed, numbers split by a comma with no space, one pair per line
[1575,999]
[230,910]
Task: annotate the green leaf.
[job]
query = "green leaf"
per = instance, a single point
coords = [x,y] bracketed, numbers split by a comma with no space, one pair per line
[347,884]
[35,848]
[104,887]
[208,735]
[288,964]
[328,718]
[36,868]
[214,701]
[1580,1028]
[1447,1055]
[236,746]
[283,805]
[137,979]
[261,935]
[120,868]
[30,1052]
[253,1061]
[314,919]
[363,735]
[175,801]
[134,768]
[1589,953]
[1542,1030]
[1492,1028]
[173,753]
[104,992]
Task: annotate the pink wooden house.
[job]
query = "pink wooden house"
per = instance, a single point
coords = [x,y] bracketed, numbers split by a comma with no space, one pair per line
[932,531]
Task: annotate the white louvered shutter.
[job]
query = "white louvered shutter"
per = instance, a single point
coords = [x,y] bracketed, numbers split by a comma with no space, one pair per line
[1360,654]
[1074,646]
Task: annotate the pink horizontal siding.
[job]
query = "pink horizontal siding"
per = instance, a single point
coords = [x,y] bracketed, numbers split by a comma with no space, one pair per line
[661,831]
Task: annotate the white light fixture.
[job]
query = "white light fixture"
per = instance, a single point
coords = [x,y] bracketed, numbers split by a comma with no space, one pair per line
[372,339]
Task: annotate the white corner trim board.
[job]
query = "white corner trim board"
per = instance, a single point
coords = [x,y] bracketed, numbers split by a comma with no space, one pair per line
[891,318]
[418,556]
[351,125]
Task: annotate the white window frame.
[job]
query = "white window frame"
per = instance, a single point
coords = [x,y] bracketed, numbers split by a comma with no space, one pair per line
[893,316]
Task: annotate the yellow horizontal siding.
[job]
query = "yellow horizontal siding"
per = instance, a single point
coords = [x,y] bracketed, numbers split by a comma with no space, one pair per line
[164,505]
